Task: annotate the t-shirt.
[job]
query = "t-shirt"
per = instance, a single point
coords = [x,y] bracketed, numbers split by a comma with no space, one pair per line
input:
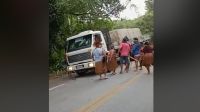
[130,44]
[124,49]
[98,54]
[136,49]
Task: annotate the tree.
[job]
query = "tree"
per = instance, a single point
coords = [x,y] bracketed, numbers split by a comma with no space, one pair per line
[69,17]
[145,22]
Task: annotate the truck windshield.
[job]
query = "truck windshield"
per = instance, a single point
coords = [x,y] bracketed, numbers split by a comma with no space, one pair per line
[79,43]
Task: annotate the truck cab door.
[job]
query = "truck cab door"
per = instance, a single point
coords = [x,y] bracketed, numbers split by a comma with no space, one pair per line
[103,40]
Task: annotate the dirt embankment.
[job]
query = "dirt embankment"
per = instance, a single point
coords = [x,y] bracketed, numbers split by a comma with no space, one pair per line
[57,74]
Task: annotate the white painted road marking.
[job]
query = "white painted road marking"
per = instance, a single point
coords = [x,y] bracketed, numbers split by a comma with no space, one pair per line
[56,87]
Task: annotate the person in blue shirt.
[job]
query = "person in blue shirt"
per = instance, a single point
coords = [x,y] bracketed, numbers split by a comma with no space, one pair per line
[99,56]
[136,52]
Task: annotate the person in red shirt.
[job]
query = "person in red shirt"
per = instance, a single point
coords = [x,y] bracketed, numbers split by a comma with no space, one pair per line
[124,50]
[129,59]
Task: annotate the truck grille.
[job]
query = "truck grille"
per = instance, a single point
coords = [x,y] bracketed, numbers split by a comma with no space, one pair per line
[79,57]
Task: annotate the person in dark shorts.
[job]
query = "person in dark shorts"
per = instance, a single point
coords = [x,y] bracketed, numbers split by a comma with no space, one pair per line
[129,60]
[124,50]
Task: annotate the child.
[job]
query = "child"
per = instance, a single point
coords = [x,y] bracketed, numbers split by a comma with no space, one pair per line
[112,61]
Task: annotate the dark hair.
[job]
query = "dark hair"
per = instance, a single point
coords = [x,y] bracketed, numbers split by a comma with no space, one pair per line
[146,43]
[96,43]
[124,40]
[112,47]
[135,38]
[97,36]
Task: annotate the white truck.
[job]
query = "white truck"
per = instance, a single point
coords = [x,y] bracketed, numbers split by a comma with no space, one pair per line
[79,47]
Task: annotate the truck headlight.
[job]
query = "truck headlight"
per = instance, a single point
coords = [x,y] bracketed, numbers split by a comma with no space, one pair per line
[70,68]
[91,64]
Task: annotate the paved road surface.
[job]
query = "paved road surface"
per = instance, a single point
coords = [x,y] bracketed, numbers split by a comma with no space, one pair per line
[128,92]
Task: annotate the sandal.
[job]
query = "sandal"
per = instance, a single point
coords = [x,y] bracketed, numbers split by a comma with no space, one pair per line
[105,77]
[114,73]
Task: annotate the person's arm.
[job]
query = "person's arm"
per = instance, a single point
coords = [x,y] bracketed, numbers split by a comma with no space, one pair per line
[103,51]
[119,49]
[133,58]
[120,45]
[112,54]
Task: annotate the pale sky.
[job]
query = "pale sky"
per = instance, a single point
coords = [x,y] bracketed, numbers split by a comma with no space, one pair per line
[129,13]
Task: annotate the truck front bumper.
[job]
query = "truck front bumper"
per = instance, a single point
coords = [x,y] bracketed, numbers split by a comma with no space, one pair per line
[81,66]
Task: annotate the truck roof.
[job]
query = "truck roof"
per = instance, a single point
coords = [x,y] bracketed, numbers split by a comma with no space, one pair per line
[83,34]
[118,34]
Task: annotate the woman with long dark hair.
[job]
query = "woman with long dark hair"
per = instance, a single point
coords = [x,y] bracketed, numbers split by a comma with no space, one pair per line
[148,56]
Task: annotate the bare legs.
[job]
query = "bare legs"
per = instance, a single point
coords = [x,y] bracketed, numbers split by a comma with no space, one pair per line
[127,67]
[137,62]
[114,72]
[121,66]
[100,76]
[136,65]
[148,69]
[105,76]
[140,64]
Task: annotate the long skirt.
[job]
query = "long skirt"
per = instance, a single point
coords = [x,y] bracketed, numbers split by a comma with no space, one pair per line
[112,65]
[100,68]
[147,59]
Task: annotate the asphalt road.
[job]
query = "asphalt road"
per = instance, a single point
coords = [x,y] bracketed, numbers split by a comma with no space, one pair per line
[128,92]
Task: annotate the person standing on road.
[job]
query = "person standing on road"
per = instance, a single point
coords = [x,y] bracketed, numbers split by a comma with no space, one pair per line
[129,60]
[112,61]
[136,52]
[99,56]
[124,50]
[148,56]
[141,54]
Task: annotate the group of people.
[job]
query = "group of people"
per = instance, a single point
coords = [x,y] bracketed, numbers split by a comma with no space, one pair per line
[139,52]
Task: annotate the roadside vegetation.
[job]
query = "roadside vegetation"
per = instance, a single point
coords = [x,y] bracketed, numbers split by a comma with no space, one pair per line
[69,17]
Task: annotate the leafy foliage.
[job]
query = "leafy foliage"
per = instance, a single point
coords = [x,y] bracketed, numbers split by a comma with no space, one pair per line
[145,22]
[69,17]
